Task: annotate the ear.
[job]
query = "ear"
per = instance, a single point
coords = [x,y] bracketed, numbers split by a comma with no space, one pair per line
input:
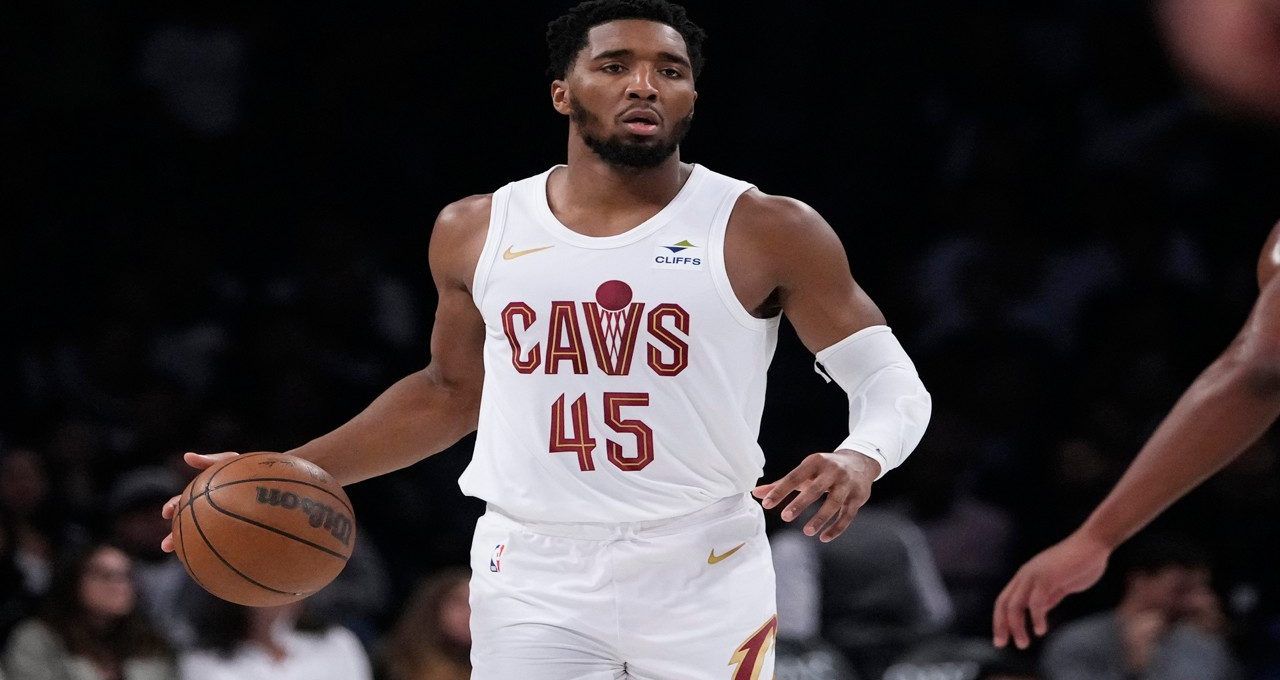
[560,97]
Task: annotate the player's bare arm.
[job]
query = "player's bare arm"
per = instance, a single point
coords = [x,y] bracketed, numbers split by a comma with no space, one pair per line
[427,411]
[432,409]
[1225,410]
[783,256]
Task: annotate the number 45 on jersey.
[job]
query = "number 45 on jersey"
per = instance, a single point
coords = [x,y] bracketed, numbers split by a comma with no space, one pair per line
[613,323]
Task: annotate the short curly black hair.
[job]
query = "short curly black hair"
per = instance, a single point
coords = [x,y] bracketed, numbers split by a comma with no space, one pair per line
[567,35]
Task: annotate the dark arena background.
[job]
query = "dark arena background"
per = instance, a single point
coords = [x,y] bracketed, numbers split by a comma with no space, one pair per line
[216,219]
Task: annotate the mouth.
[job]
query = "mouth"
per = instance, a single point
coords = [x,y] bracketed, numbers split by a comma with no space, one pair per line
[641,122]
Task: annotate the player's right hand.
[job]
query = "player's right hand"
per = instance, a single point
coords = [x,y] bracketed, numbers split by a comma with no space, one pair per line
[1069,567]
[199,462]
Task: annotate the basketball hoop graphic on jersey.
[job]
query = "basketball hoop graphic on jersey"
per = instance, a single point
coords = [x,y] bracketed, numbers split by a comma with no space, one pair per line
[613,321]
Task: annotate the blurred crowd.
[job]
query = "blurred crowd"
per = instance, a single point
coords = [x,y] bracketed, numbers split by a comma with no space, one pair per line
[220,216]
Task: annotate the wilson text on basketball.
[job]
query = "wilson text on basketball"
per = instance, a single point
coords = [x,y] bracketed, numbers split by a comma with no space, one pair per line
[318,514]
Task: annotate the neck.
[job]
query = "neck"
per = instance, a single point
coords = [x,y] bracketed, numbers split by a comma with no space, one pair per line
[593,182]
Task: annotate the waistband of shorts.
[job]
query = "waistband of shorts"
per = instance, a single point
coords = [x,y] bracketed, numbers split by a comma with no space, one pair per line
[605,531]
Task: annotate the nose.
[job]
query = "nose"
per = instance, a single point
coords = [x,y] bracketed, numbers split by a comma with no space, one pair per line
[642,87]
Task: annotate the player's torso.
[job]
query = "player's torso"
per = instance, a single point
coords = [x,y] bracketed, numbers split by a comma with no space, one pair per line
[623,379]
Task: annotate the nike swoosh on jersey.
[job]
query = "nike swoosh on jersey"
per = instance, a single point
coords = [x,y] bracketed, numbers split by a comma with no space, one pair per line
[510,254]
[713,558]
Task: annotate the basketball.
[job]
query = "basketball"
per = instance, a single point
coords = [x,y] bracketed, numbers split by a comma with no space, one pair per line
[264,529]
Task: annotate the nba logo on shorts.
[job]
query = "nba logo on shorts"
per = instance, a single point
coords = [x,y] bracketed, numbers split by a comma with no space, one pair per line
[495,562]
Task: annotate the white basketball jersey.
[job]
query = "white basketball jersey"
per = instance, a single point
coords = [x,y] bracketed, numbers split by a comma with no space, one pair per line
[623,379]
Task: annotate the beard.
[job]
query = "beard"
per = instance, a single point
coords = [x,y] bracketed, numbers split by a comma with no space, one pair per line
[621,151]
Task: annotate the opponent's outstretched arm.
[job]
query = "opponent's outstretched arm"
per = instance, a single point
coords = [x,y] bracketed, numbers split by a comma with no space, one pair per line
[427,411]
[1225,410]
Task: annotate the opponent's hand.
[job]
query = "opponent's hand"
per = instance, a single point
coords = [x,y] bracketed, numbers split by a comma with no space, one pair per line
[844,476]
[199,462]
[1069,567]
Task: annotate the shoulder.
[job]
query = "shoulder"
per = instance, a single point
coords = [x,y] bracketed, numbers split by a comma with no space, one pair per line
[779,228]
[764,215]
[470,210]
[463,218]
[458,237]
[781,237]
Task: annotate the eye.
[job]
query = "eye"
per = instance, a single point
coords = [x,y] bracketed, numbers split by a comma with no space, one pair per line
[672,73]
[612,68]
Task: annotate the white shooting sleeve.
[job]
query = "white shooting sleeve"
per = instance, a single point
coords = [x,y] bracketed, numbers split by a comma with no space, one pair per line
[888,405]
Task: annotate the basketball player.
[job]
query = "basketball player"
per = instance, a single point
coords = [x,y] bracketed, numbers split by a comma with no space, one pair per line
[1229,49]
[606,326]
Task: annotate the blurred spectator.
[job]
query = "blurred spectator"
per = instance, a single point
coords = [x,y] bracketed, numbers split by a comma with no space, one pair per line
[357,598]
[1249,487]
[36,525]
[270,643]
[74,447]
[1168,626]
[970,539]
[962,659]
[89,627]
[133,504]
[15,599]
[812,659]
[872,593]
[432,639]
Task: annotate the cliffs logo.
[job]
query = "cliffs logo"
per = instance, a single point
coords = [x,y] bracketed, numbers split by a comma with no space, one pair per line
[319,515]
[682,255]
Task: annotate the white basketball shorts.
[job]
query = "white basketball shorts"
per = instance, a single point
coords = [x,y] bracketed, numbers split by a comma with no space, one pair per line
[686,598]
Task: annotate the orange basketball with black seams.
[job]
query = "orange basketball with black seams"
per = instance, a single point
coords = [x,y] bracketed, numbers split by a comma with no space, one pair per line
[264,529]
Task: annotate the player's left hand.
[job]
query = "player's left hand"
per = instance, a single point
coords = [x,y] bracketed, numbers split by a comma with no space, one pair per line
[844,476]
